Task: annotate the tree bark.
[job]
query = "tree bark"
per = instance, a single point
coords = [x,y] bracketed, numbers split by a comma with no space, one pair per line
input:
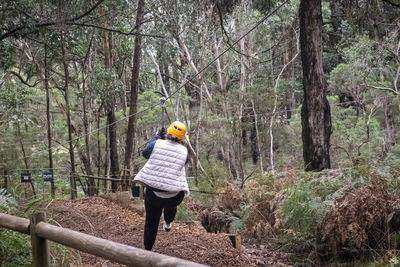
[92,190]
[99,150]
[242,91]
[72,179]
[315,112]
[289,75]
[130,134]
[24,155]
[49,138]
[87,162]
[258,141]
[390,129]
[113,149]
[111,120]
[107,159]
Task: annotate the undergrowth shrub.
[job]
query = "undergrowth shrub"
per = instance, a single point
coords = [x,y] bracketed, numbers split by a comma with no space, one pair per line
[184,213]
[361,223]
[15,249]
[237,221]
[334,214]
[216,217]
[303,208]
[392,162]
[7,201]
[325,214]
[264,195]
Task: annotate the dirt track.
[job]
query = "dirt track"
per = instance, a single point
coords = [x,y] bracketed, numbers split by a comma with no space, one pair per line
[106,219]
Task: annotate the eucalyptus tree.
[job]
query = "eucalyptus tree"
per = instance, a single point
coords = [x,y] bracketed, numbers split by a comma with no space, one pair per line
[130,134]
[367,68]
[28,22]
[316,117]
[14,101]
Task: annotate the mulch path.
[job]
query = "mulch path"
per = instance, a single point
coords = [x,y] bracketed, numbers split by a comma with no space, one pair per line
[106,219]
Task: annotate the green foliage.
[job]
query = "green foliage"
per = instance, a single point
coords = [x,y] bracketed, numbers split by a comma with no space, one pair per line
[308,198]
[360,53]
[215,177]
[15,249]
[7,201]
[312,195]
[237,221]
[151,119]
[183,214]
[303,211]
[104,84]
[8,54]
[358,68]
[355,137]
[13,97]
[32,203]
[392,161]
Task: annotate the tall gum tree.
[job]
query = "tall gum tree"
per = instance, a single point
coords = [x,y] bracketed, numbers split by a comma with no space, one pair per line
[130,134]
[111,119]
[315,112]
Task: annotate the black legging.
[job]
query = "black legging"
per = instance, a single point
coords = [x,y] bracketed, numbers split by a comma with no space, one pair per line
[154,206]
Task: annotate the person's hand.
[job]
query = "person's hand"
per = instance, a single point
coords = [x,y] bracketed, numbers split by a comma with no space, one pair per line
[162,132]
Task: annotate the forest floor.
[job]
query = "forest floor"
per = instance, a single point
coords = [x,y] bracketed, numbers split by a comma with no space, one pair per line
[120,219]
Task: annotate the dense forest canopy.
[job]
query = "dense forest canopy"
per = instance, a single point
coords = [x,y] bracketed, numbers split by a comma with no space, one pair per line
[292,109]
[81,81]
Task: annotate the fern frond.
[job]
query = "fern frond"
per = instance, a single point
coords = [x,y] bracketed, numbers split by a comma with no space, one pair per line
[7,201]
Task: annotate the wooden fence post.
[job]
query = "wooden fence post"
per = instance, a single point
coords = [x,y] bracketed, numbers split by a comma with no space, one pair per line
[236,241]
[40,246]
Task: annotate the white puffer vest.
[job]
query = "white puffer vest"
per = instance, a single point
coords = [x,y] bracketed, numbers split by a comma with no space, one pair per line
[165,168]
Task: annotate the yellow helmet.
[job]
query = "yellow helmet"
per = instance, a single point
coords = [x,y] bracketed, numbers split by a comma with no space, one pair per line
[177,129]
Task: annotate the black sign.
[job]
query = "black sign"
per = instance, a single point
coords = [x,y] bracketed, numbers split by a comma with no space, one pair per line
[25,178]
[47,176]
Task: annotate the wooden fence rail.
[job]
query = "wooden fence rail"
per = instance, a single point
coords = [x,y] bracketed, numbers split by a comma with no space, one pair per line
[41,232]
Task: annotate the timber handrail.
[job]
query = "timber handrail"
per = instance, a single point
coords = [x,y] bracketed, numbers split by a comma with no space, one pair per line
[41,231]
[14,223]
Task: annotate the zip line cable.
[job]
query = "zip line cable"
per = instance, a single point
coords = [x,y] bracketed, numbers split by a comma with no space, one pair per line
[264,115]
[89,133]
[229,48]
[176,91]
[188,80]
[260,115]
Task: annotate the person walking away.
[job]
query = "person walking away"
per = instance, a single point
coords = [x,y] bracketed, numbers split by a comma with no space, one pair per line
[164,178]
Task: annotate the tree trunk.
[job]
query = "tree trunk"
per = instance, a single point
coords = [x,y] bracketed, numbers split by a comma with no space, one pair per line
[130,134]
[289,76]
[242,89]
[275,107]
[49,139]
[390,129]
[257,132]
[113,149]
[87,162]
[107,158]
[69,125]
[99,151]
[111,120]
[24,155]
[315,112]
[223,82]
